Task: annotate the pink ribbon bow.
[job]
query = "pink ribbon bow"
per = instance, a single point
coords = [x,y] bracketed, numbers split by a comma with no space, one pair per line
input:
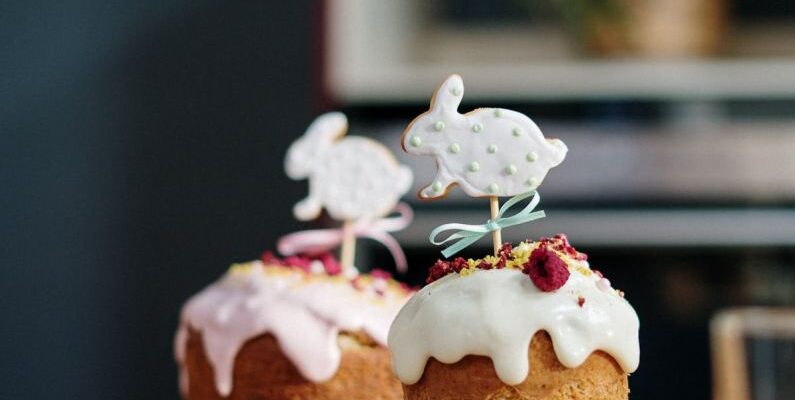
[320,240]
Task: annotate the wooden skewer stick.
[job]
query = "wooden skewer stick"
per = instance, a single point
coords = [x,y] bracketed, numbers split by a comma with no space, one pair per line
[348,245]
[496,236]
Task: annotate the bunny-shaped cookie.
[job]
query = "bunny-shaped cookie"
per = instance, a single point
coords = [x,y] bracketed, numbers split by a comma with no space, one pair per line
[352,177]
[488,151]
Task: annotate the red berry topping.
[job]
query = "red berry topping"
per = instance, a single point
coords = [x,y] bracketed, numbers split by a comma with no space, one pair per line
[380,274]
[547,271]
[438,270]
[506,251]
[483,264]
[330,263]
[458,264]
[581,301]
[269,258]
[561,243]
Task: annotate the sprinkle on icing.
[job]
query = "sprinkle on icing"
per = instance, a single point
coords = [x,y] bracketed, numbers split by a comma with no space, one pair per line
[474,166]
[489,307]
[455,148]
[491,149]
[416,141]
[303,309]
[477,127]
[438,126]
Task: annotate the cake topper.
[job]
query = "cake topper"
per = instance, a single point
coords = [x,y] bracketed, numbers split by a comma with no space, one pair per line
[356,179]
[488,152]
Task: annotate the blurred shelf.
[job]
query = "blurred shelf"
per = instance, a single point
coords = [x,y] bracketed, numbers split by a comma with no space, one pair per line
[396,52]
[628,228]
[691,80]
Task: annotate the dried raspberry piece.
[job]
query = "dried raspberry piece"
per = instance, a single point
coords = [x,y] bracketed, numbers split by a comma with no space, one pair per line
[380,274]
[438,270]
[560,242]
[458,264]
[300,262]
[268,258]
[547,271]
[581,301]
[506,251]
[330,263]
[483,264]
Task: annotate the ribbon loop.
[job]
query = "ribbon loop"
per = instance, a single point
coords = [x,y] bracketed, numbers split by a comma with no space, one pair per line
[319,240]
[464,234]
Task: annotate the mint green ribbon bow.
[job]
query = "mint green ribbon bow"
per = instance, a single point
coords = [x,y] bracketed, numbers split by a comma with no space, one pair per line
[466,234]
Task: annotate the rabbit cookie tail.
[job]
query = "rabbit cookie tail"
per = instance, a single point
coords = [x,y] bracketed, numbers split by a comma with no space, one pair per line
[307,209]
[404,179]
[560,150]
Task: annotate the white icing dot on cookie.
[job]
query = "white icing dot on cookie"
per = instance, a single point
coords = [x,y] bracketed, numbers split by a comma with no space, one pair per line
[456,91]
[532,156]
[493,188]
[474,166]
[455,148]
[497,112]
[477,128]
[492,149]
[416,141]
[532,181]
[438,126]
[517,132]
[510,169]
[437,186]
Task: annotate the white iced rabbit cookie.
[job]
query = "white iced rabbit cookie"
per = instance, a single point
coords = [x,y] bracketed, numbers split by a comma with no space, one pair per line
[351,177]
[488,151]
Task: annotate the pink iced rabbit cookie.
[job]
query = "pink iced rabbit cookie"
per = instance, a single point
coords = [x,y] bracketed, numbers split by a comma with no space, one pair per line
[351,177]
[488,151]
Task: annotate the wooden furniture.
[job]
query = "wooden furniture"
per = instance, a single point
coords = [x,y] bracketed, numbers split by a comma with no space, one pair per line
[729,331]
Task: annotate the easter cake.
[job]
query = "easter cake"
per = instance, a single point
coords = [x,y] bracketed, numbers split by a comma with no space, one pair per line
[293,328]
[528,322]
[533,322]
[306,326]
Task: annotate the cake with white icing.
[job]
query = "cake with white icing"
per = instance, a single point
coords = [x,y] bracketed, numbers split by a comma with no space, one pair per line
[294,328]
[533,322]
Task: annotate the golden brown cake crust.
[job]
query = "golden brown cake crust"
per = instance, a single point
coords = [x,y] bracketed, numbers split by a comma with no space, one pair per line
[473,378]
[261,371]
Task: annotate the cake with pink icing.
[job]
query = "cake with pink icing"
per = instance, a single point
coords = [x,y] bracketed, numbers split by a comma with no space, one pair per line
[293,328]
[534,321]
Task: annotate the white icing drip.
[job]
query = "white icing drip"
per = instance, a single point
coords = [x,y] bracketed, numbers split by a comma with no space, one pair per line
[495,313]
[304,313]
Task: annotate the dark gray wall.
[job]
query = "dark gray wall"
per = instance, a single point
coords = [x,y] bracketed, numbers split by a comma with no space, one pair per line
[141,149]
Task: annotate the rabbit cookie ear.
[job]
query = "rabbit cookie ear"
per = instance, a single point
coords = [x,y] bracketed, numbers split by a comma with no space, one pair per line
[448,96]
[327,126]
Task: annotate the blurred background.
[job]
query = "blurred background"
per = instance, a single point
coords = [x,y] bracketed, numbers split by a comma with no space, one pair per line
[142,147]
